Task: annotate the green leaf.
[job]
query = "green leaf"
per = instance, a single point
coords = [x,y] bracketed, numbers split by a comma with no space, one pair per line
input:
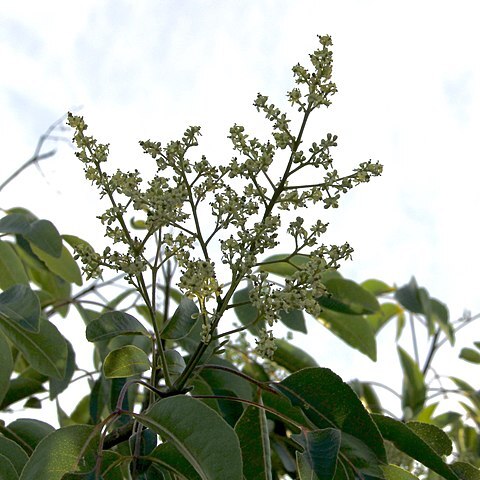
[58,453]
[376,287]
[367,395]
[29,431]
[20,305]
[11,267]
[182,321]
[46,351]
[6,366]
[346,296]
[63,265]
[434,436]
[7,470]
[470,355]
[330,403]
[57,386]
[14,223]
[360,457]
[14,452]
[111,324]
[383,316]
[169,457]
[400,325]
[410,297]
[465,471]
[246,312]
[291,357]
[74,241]
[414,391]
[439,314]
[283,265]
[23,386]
[44,235]
[223,380]
[294,320]
[353,330]
[407,441]
[125,362]
[175,363]
[319,459]
[185,421]
[59,289]
[252,431]
[393,472]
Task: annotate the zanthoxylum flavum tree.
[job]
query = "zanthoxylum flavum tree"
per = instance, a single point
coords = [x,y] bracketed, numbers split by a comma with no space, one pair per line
[178,391]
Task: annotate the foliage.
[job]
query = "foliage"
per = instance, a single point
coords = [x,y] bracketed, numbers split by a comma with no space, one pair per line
[178,392]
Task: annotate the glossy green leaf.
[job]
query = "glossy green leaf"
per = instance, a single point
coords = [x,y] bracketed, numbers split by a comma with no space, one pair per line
[6,366]
[125,362]
[14,452]
[376,287]
[246,312]
[64,265]
[319,459]
[175,363]
[292,358]
[168,456]
[111,324]
[346,296]
[252,431]
[28,383]
[7,470]
[434,436]
[184,420]
[470,355]
[353,330]
[294,320]
[28,432]
[12,271]
[407,441]
[58,453]
[46,351]
[21,306]
[44,235]
[330,403]
[182,321]
[414,390]
[283,265]
[394,472]
[383,316]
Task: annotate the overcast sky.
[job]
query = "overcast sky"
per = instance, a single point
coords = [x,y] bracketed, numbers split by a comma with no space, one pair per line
[408,75]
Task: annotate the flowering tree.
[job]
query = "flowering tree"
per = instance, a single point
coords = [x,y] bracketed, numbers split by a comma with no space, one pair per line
[178,391]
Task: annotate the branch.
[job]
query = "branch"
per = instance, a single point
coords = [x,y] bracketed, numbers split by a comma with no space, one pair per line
[37,156]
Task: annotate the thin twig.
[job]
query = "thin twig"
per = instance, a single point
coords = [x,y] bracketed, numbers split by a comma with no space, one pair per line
[37,156]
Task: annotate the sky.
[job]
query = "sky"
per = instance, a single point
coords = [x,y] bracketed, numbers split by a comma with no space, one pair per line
[408,76]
